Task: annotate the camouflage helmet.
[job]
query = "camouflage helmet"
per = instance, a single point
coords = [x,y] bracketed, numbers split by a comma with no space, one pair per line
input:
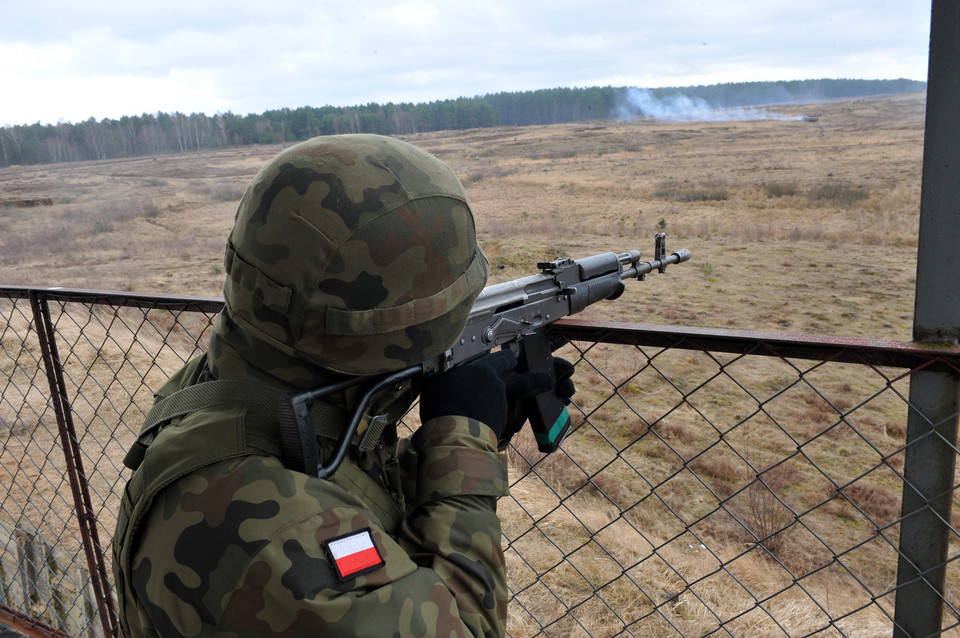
[357,253]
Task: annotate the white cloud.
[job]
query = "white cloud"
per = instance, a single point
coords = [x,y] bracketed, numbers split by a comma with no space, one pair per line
[103,58]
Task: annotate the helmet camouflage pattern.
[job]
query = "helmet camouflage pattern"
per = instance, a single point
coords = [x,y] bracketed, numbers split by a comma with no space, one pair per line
[357,253]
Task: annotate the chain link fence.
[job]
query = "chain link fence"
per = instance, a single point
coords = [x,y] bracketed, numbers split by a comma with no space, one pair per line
[716,483]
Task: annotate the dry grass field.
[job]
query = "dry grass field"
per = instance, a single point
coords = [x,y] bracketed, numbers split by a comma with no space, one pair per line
[794,226]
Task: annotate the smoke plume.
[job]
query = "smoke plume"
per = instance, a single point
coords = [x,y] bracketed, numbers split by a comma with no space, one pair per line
[642,103]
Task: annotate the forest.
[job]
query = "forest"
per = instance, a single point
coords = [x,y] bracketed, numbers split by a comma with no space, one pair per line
[159,133]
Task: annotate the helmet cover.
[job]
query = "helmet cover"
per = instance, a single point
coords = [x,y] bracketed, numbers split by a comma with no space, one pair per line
[357,253]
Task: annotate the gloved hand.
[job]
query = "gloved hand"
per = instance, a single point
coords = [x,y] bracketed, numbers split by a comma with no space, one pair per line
[517,410]
[491,391]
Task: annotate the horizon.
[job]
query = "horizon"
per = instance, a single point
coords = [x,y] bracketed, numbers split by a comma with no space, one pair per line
[695,104]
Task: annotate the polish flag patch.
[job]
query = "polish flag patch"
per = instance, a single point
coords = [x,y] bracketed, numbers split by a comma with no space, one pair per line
[354,553]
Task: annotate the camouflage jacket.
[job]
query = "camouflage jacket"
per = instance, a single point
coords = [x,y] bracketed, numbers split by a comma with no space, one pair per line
[217,537]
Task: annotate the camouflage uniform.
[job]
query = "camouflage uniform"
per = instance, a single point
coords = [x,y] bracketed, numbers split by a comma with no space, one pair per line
[349,255]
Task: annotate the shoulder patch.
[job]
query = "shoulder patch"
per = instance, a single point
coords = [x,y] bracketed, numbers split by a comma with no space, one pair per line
[354,553]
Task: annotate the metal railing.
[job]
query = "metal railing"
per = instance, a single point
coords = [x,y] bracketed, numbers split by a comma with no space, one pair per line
[716,482]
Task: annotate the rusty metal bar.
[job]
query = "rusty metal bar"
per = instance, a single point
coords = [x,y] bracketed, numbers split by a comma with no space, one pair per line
[74,462]
[873,352]
[116,299]
[28,626]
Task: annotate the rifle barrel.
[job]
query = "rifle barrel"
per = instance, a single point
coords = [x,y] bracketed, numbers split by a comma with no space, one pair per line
[641,269]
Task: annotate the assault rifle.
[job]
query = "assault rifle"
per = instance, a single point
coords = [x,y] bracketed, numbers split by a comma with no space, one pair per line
[513,314]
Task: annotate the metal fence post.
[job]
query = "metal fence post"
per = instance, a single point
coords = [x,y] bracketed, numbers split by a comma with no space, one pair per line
[932,422]
[74,462]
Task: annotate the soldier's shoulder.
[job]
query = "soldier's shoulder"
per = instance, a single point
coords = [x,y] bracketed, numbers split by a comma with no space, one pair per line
[248,487]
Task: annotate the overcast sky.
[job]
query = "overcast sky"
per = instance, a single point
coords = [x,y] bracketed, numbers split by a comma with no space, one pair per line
[69,61]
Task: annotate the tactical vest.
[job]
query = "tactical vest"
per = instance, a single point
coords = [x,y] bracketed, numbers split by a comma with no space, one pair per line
[191,430]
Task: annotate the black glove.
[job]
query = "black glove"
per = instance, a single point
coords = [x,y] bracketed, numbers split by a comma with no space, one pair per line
[517,409]
[491,391]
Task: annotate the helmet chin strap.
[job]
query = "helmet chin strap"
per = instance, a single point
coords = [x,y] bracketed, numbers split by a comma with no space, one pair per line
[234,353]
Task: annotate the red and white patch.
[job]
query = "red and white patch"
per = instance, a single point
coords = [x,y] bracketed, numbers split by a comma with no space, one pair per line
[353,554]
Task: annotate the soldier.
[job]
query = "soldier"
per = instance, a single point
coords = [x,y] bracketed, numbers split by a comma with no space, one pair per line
[349,255]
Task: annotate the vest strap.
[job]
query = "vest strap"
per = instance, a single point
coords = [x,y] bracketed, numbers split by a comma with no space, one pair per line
[299,448]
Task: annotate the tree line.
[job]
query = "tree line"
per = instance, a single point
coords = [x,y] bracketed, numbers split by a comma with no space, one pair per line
[159,133]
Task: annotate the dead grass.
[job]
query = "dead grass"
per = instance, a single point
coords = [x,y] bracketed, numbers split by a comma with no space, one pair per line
[773,188]
[687,192]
